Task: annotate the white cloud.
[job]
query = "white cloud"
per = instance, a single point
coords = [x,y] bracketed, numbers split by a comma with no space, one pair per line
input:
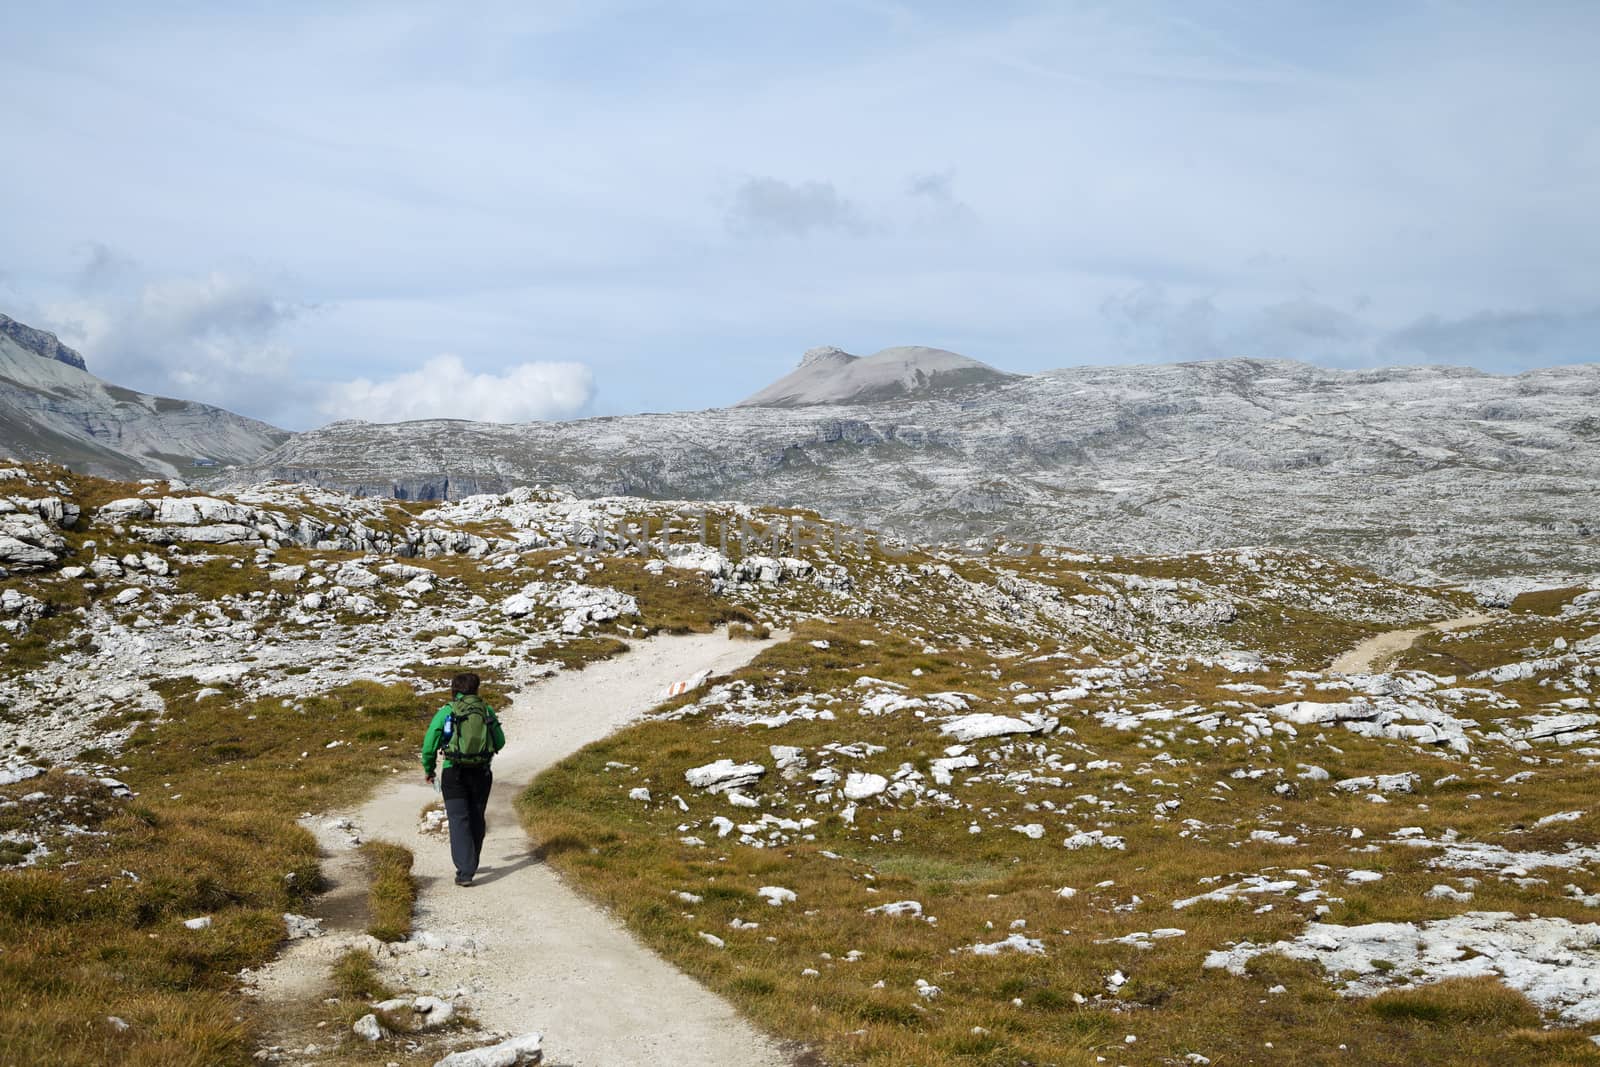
[770,206]
[443,388]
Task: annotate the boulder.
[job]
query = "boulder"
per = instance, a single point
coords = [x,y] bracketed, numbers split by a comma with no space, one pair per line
[723,775]
[763,569]
[430,1013]
[128,509]
[1405,782]
[702,558]
[985,724]
[1545,727]
[519,605]
[406,571]
[583,605]
[355,576]
[860,786]
[218,534]
[943,768]
[202,510]
[51,509]
[20,604]
[27,544]
[523,1051]
[1312,713]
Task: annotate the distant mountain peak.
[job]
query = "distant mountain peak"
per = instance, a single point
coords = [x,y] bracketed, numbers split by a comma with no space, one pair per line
[829,375]
[41,343]
[826,354]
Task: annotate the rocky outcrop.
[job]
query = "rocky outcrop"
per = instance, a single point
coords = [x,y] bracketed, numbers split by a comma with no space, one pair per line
[28,537]
[41,342]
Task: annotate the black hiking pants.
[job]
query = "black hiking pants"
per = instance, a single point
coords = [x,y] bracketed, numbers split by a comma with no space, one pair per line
[466,795]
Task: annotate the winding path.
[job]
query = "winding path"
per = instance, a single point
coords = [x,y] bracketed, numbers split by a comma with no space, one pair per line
[548,959]
[1382,648]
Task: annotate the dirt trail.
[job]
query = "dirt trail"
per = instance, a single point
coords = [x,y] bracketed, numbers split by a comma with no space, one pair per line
[1378,650]
[547,959]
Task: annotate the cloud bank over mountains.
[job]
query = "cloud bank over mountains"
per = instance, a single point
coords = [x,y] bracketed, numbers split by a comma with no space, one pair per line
[217,337]
[444,388]
[1153,324]
[227,339]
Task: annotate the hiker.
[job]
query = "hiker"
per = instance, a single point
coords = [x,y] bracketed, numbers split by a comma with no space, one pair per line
[467,733]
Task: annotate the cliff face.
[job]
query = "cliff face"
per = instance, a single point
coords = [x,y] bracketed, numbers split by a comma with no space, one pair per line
[41,343]
[52,408]
[1419,472]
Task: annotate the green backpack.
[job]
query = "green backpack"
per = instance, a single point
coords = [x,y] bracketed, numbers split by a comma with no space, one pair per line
[470,742]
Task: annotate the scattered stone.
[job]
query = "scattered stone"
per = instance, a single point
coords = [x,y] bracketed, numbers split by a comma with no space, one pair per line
[860,786]
[367,1028]
[524,1051]
[984,724]
[297,927]
[1027,946]
[724,774]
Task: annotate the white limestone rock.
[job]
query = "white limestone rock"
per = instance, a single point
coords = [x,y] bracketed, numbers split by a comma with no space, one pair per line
[1554,962]
[525,1050]
[27,543]
[985,724]
[701,558]
[297,927]
[127,509]
[355,576]
[367,1028]
[1405,782]
[912,908]
[202,510]
[430,1013]
[859,785]
[20,605]
[724,774]
[1026,946]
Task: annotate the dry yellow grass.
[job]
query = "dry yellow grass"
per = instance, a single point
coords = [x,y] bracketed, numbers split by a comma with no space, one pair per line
[392,892]
[1014,1009]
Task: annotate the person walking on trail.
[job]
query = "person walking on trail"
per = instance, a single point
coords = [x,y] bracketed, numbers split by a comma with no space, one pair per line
[466,732]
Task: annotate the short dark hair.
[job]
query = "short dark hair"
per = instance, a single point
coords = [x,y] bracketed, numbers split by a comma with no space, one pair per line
[465,684]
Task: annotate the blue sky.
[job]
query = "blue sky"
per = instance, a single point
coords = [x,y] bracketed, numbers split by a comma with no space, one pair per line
[558,209]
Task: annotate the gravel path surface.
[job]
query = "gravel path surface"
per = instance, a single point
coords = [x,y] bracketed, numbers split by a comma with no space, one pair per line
[546,958]
[1375,651]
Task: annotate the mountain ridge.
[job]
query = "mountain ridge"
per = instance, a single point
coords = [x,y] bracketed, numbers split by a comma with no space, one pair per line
[52,407]
[1440,472]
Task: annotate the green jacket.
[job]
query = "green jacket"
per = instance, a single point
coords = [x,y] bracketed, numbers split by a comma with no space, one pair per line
[433,740]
